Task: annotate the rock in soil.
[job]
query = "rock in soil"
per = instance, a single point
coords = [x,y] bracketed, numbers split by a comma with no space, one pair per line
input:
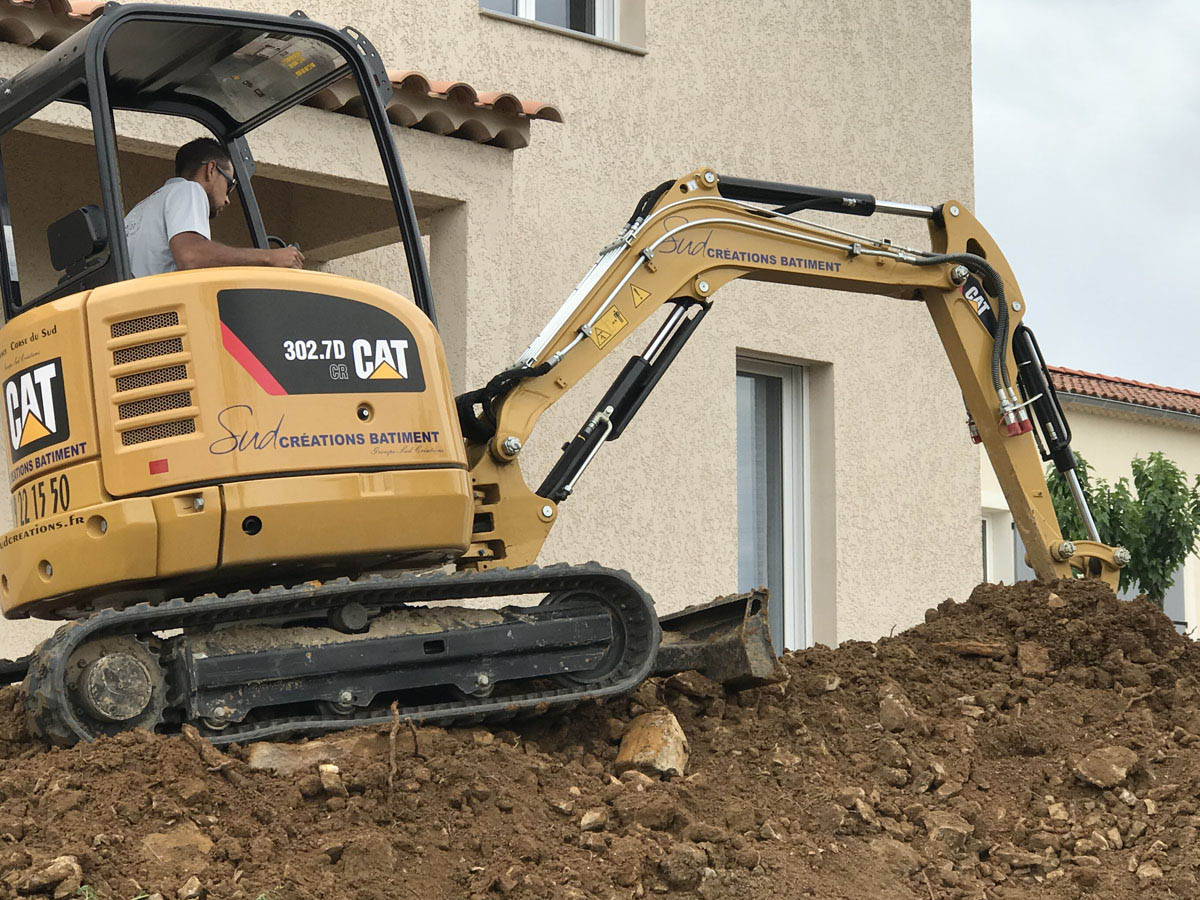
[944,762]
[654,744]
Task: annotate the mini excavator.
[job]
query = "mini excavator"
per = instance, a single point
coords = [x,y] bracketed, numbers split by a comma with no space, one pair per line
[251,492]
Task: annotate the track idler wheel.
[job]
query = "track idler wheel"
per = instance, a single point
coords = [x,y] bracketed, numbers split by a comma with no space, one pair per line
[113,684]
[616,649]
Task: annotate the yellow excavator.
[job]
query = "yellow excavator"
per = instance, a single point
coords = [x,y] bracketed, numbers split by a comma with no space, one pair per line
[246,488]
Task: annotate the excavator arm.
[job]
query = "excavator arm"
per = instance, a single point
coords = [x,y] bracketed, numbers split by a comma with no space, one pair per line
[689,238]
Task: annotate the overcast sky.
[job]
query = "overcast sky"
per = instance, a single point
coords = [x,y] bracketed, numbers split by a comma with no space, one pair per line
[1087,148]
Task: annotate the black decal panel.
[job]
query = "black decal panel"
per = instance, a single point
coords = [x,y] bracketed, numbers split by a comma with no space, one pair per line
[35,401]
[294,342]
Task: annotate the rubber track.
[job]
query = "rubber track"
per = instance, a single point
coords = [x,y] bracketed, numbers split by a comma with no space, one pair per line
[56,722]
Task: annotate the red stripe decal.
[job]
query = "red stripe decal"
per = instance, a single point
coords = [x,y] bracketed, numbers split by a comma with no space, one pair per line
[250,362]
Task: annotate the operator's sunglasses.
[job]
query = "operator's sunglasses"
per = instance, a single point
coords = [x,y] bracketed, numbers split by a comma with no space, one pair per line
[230,178]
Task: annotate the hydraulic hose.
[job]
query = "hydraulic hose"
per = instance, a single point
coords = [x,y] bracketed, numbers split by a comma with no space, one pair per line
[993,284]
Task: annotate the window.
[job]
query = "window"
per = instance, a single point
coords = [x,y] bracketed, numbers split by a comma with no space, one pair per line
[984,536]
[771,490]
[594,17]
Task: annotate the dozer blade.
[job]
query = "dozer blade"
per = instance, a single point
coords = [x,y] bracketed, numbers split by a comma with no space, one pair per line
[727,640]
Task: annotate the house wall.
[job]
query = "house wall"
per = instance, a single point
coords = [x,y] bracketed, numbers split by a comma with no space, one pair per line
[869,96]
[1109,438]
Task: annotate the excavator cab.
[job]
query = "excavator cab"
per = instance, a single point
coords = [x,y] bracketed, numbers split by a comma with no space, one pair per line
[197,427]
[231,73]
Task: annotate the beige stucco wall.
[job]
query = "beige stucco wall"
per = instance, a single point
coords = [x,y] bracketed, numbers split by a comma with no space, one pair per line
[1109,438]
[871,96]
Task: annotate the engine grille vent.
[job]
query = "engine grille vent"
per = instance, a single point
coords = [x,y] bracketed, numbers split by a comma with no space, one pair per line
[147,351]
[166,399]
[158,432]
[166,402]
[154,376]
[145,323]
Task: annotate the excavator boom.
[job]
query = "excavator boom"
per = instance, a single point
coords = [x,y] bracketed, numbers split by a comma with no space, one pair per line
[689,238]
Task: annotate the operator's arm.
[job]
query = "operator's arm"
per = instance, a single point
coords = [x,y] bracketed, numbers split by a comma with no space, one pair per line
[195,251]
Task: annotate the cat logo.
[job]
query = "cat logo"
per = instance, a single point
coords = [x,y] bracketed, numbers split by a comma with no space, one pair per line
[380,359]
[35,401]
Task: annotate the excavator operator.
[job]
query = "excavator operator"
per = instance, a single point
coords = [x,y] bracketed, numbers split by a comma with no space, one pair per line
[169,230]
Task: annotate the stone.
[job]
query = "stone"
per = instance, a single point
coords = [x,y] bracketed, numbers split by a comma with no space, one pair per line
[893,715]
[1056,602]
[1033,659]
[949,828]
[888,752]
[710,885]
[898,857]
[948,790]
[893,777]
[829,817]
[593,841]
[190,889]
[654,744]
[1148,872]
[1107,767]
[1086,861]
[694,685]
[769,832]
[825,683]
[331,780]
[783,758]
[181,848]
[594,820]
[288,759]
[847,796]
[1016,857]
[986,649]
[62,877]
[683,865]
[616,730]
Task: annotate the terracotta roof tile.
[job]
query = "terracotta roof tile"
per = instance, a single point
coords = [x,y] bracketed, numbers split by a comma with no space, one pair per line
[452,108]
[1139,393]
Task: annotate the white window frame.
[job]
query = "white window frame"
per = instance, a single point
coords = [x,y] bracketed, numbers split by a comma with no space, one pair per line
[797,477]
[607,14]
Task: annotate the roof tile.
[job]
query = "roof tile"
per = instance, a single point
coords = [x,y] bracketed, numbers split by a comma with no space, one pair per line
[452,108]
[1124,390]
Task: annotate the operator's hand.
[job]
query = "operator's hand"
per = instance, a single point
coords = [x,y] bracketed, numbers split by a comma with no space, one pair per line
[285,258]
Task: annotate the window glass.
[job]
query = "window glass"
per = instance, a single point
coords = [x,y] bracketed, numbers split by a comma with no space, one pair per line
[243,71]
[984,537]
[595,17]
[578,15]
[47,178]
[760,490]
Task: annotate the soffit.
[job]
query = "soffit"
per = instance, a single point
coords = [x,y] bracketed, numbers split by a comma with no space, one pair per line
[451,108]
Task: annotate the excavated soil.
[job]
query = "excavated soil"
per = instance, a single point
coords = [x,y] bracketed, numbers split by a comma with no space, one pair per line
[956,760]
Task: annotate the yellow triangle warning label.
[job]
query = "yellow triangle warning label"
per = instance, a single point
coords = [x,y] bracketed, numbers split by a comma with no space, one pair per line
[384,371]
[639,296]
[33,430]
[606,327]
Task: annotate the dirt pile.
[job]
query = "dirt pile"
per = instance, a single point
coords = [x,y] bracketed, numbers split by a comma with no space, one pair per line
[1031,742]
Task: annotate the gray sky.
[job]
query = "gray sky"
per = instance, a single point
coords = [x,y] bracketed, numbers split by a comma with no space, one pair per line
[1087,147]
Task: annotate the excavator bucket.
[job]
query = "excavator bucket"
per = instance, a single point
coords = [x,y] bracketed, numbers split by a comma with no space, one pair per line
[727,640]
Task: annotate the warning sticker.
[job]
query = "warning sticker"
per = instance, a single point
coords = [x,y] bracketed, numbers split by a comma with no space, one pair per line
[607,328]
[639,296]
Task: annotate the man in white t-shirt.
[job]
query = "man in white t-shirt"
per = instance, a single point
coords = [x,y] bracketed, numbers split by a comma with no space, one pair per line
[169,230]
